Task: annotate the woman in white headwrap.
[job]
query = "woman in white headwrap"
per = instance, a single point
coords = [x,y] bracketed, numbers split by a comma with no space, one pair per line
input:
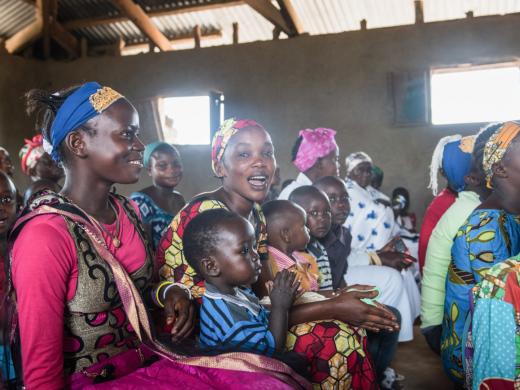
[371,223]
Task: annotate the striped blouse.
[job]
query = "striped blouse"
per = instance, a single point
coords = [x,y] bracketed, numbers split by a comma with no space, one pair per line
[235,322]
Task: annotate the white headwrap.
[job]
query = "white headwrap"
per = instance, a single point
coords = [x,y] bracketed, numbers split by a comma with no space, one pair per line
[436,163]
[354,159]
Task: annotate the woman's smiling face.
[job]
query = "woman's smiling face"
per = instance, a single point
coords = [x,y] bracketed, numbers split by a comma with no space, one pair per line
[248,164]
[114,150]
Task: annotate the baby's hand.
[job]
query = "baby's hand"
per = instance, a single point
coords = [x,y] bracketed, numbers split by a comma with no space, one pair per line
[284,291]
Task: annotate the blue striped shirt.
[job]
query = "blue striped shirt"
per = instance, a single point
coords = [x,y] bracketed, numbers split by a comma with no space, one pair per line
[235,322]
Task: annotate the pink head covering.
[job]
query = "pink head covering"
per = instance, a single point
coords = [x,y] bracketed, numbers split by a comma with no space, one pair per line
[315,144]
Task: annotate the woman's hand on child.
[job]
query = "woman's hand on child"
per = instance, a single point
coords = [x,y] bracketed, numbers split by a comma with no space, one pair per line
[351,310]
[180,313]
[284,289]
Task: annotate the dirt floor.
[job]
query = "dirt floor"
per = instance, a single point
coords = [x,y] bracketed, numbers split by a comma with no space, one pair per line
[421,367]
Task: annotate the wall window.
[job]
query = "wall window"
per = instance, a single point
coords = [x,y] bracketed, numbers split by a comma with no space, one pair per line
[475,94]
[190,120]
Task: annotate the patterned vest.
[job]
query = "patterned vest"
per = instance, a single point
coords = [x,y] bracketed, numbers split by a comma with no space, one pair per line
[96,326]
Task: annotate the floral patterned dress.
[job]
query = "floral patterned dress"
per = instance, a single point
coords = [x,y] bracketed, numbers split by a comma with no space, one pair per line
[492,334]
[488,237]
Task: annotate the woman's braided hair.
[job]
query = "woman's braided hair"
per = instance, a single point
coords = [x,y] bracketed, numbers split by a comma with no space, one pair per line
[44,106]
[483,137]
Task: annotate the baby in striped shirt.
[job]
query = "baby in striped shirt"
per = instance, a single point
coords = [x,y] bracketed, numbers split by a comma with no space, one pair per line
[221,246]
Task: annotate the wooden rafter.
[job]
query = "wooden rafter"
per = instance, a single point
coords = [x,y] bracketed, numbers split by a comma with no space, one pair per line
[182,39]
[136,14]
[49,12]
[82,23]
[65,39]
[419,12]
[28,34]
[291,17]
[46,26]
[271,13]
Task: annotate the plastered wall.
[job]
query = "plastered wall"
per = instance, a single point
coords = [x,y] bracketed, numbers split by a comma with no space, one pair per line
[338,81]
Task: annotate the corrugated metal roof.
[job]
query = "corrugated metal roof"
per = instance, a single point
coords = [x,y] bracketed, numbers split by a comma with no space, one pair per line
[333,16]
[317,17]
[252,26]
[14,16]
[437,10]
[77,9]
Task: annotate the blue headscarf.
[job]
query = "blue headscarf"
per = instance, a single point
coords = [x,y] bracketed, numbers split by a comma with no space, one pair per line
[88,101]
[150,148]
[456,164]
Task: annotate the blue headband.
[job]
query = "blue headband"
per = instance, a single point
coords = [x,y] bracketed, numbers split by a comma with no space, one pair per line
[88,101]
[150,148]
[456,164]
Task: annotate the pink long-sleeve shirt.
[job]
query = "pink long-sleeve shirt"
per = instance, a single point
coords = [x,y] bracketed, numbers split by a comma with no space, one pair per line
[45,275]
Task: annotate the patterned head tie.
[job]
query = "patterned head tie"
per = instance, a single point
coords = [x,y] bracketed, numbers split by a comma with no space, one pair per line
[227,129]
[88,101]
[31,152]
[354,159]
[316,143]
[496,148]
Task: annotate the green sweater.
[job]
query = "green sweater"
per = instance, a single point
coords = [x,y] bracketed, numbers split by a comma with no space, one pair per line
[438,257]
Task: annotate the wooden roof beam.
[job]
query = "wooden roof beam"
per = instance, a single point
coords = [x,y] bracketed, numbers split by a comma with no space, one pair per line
[271,13]
[88,22]
[65,39]
[291,17]
[136,14]
[182,39]
[28,34]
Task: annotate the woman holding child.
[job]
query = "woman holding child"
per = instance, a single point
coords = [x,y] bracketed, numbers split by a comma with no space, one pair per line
[81,266]
[243,158]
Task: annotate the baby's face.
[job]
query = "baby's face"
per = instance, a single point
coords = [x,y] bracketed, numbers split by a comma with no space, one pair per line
[237,258]
[298,230]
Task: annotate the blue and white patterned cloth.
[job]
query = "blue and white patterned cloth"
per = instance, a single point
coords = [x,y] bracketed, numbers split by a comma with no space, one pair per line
[152,215]
[371,224]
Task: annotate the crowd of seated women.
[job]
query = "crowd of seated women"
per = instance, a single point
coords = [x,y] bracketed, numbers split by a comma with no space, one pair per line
[248,285]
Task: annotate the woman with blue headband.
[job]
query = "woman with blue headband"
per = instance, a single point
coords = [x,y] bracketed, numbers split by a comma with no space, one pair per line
[82,267]
[159,203]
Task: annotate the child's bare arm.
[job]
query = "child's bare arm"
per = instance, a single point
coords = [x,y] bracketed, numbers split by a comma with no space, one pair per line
[285,287]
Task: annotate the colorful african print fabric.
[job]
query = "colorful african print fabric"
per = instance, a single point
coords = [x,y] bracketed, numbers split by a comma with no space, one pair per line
[492,335]
[336,352]
[488,237]
[170,256]
[152,215]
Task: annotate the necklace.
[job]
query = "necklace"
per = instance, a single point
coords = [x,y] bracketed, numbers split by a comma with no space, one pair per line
[115,238]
